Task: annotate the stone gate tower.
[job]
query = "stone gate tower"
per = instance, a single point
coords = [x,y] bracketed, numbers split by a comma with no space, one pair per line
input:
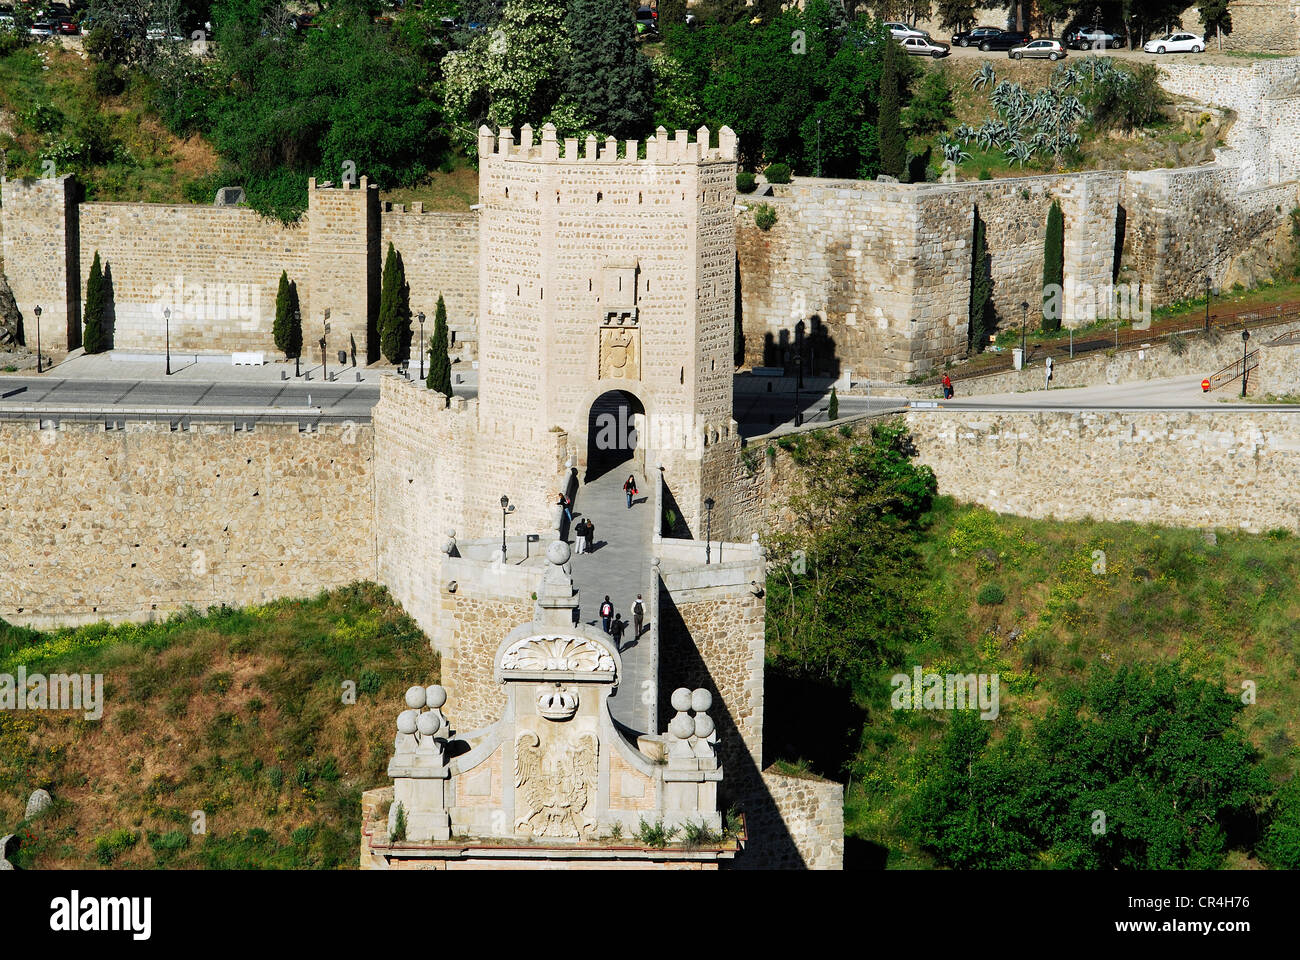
[609,268]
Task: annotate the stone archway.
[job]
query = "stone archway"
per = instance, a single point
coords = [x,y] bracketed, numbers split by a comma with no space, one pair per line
[615,428]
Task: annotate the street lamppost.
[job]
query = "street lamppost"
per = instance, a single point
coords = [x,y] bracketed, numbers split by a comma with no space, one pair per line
[708,528]
[1024,319]
[324,356]
[37,311]
[297,319]
[1207,303]
[798,383]
[506,508]
[1245,338]
[421,319]
[167,322]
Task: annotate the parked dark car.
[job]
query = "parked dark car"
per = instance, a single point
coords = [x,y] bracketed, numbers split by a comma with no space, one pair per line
[972,38]
[1006,40]
[1092,38]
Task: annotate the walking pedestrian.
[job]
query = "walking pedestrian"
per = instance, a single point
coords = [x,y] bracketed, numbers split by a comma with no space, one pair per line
[1047,382]
[567,504]
[580,537]
[629,487]
[616,631]
[638,617]
[591,535]
[606,613]
[947,387]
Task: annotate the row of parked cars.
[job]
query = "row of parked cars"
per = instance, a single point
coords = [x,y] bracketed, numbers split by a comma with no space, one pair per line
[1020,44]
[54,18]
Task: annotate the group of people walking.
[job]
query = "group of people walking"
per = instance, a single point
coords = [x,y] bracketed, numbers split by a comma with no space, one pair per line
[584,539]
[612,624]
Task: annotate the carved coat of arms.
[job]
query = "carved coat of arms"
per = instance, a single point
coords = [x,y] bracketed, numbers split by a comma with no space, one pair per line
[554,784]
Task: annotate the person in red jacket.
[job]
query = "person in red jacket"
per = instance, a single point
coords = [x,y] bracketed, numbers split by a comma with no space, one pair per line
[629,487]
[947,387]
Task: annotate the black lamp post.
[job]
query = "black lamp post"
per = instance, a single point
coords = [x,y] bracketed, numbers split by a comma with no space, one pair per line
[1024,320]
[506,509]
[1245,338]
[1207,303]
[798,385]
[37,311]
[324,356]
[297,319]
[421,319]
[167,322]
[708,528]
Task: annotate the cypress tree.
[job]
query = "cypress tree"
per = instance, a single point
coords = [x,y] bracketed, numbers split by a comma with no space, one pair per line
[283,308]
[93,338]
[390,343]
[833,408]
[981,288]
[1053,269]
[439,378]
[609,79]
[893,146]
[404,329]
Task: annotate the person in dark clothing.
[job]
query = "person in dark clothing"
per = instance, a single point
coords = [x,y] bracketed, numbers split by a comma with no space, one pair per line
[591,536]
[606,613]
[616,631]
[629,487]
[638,616]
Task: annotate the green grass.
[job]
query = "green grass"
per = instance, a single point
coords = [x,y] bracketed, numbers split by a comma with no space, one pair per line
[1227,611]
[238,713]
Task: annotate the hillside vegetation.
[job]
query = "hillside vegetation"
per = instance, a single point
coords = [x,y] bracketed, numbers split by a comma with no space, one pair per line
[238,714]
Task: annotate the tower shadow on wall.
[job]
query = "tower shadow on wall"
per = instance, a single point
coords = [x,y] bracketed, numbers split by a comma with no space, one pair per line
[680,665]
[738,322]
[811,341]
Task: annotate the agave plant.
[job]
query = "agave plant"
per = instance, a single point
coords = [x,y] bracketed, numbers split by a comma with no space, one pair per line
[1019,151]
[963,133]
[985,77]
[953,153]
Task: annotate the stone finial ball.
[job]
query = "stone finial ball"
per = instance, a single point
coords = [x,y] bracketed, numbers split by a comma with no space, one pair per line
[681,726]
[415,697]
[701,700]
[406,721]
[703,725]
[435,697]
[428,724]
[681,699]
[558,552]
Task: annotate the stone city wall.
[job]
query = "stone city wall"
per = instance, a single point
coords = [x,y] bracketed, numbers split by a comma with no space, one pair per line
[440,254]
[800,827]
[1278,373]
[216,268]
[39,241]
[1202,469]
[133,523]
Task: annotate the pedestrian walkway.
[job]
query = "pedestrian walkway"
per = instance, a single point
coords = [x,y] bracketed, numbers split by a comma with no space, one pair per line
[620,567]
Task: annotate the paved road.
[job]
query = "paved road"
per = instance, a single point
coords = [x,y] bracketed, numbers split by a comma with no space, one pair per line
[619,567]
[1173,393]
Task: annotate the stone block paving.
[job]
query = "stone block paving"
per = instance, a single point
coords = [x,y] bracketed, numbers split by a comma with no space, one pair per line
[620,567]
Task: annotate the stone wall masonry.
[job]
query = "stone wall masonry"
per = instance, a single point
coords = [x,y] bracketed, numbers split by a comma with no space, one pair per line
[137,523]
[1278,373]
[440,253]
[216,268]
[810,815]
[343,269]
[39,243]
[475,619]
[1211,469]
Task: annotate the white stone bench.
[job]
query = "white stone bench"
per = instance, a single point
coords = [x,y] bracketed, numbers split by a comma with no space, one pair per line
[248,359]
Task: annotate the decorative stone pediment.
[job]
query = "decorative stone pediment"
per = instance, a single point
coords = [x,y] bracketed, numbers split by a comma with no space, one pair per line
[552,654]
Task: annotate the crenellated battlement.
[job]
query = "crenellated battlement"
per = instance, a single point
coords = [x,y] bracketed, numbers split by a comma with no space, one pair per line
[659,148]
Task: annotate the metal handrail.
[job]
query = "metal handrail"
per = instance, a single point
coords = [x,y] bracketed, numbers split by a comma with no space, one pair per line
[1233,371]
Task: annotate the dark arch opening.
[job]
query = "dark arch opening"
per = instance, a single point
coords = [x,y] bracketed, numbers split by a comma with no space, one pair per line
[612,437]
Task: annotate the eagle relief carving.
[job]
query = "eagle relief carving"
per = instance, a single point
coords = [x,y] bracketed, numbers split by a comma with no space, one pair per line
[620,352]
[554,784]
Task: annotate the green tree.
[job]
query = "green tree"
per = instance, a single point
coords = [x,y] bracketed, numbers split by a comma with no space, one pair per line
[833,408]
[439,378]
[1216,17]
[283,315]
[609,81]
[93,339]
[957,14]
[981,289]
[893,146]
[1280,845]
[293,339]
[1054,269]
[392,324]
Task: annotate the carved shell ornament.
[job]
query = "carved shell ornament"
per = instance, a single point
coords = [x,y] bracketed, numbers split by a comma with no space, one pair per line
[574,654]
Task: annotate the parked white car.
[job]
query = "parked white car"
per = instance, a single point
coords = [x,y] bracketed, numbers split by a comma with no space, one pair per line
[1049,49]
[901,31]
[925,47]
[1175,43]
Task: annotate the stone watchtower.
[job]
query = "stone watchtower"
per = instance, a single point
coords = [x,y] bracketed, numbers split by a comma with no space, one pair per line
[607,283]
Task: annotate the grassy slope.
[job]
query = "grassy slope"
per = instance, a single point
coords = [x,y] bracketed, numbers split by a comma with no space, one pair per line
[238,714]
[1227,610]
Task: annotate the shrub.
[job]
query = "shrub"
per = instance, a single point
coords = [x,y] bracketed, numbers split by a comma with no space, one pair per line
[985,174]
[777,173]
[990,595]
[110,846]
[746,182]
[399,826]
[655,834]
[764,216]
